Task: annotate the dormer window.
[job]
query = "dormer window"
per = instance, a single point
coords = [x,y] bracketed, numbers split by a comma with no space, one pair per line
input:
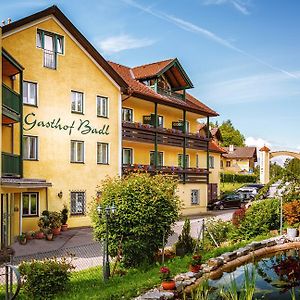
[52,44]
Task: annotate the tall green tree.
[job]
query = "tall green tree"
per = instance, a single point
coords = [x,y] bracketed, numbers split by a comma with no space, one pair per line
[293,165]
[231,136]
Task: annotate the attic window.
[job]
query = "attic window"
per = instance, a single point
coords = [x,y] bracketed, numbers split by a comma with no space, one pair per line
[52,44]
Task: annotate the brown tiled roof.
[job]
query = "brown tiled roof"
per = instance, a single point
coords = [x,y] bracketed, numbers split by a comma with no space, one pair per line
[140,90]
[214,147]
[241,152]
[58,14]
[265,148]
[150,70]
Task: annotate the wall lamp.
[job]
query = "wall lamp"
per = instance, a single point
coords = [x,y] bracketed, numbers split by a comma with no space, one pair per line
[60,194]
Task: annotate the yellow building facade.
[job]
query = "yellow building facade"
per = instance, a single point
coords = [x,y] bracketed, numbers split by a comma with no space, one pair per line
[70,119]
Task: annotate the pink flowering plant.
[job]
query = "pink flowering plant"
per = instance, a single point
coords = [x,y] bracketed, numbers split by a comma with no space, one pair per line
[165,274]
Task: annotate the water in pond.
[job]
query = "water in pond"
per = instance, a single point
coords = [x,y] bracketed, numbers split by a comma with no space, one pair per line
[275,276]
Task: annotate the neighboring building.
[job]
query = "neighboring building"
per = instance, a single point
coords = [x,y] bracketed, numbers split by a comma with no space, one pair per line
[160,130]
[239,159]
[71,120]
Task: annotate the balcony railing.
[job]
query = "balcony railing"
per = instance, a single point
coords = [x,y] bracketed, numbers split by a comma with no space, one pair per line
[145,133]
[11,99]
[49,59]
[169,93]
[10,165]
[183,175]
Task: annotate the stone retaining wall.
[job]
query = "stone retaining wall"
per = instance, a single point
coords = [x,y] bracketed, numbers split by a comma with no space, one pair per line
[227,262]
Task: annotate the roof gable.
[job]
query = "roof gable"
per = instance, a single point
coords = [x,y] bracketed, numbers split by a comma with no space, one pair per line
[87,46]
[241,152]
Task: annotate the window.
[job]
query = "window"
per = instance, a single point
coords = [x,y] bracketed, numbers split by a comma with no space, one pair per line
[29,204]
[195,197]
[180,161]
[127,157]
[77,102]
[228,163]
[211,162]
[102,153]
[77,151]
[77,203]
[102,107]
[51,44]
[30,146]
[127,114]
[160,121]
[29,93]
[221,164]
[160,158]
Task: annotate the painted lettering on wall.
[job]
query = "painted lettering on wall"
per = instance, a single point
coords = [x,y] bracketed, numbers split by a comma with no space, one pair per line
[83,126]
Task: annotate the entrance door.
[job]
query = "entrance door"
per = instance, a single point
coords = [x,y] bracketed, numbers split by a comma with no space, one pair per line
[5,216]
[212,192]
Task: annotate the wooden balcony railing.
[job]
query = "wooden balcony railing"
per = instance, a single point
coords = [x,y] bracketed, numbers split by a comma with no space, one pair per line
[173,137]
[184,175]
[11,100]
[11,165]
[169,93]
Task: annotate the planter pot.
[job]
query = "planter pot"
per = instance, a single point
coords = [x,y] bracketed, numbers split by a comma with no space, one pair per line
[168,285]
[39,235]
[56,231]
[64,227]
[49,236]
[291,232]
[23,241]
[195,269]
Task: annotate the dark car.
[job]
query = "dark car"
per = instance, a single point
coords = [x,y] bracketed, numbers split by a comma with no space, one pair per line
[228,201]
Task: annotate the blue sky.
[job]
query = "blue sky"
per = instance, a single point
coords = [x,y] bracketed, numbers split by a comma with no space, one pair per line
[243,56]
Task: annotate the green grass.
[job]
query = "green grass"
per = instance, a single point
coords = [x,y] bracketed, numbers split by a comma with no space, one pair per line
[229,187]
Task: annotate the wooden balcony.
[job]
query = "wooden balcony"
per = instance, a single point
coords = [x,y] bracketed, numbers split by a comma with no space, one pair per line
[11,102]
[187,175]
[11,165]
[145,133]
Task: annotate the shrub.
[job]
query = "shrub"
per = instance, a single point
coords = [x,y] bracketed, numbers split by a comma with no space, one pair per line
[291,212]
[185,241]
[64,215]
[238,216]
[146,209]
[260,218]
[44,279]
[219,230]
[240,178]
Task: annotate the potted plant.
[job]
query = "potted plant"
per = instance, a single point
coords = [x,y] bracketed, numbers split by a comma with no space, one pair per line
[49,234]
[55,222]
[64,218]
[30,235]
[292,217]
[195,265]
[39,234]
[167,282]
[22,238]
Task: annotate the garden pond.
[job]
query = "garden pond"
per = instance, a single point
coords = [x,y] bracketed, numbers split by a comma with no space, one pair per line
[276,277]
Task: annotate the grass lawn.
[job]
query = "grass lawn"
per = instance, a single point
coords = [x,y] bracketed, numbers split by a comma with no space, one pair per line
[227,187]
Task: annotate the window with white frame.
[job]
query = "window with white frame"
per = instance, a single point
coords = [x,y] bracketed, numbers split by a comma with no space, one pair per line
[211,162]
[77,102]
[30,204]
[29,93]
[127,156]
[102,106]
[77,203]
[102,153]
[195,197]
[127,114]
[77,151]
[30,147]
[180,161]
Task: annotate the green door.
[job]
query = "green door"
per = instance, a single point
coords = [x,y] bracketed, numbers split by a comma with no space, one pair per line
[6,236]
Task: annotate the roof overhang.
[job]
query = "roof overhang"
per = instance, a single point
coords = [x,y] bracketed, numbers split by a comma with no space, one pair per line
[21,183]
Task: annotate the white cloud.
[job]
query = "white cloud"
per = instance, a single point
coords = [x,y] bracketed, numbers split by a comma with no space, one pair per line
[188,26]
[122,42]
[239,5]
[256,142]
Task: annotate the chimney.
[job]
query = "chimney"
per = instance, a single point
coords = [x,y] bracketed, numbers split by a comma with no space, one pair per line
[231,148]
[3,22]
[8,20]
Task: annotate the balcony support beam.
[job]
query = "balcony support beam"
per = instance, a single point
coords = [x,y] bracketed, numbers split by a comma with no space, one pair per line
[207,149]
[21,124]
[156,136]
[184,145]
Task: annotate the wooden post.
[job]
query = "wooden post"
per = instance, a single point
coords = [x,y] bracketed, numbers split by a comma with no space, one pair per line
[184,146]
[155,137]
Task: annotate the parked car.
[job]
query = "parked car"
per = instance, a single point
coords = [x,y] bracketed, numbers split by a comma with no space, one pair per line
[228,201]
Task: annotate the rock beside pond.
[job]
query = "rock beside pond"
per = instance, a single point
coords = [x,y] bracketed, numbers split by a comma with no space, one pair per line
[156,294]
[215,262]
[228,256]
[242,251]
[255,245]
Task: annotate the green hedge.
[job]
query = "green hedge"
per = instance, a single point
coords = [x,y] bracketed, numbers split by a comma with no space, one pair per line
[241,178]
